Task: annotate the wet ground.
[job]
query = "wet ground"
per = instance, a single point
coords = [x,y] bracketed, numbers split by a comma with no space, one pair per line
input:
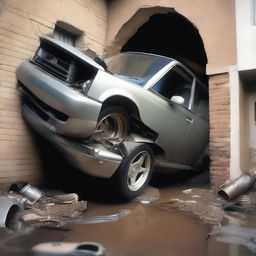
[148,227]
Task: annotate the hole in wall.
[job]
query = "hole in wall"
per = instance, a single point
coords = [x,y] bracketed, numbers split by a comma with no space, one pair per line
[174,36]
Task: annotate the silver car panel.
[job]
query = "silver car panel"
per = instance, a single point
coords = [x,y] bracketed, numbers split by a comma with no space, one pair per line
[91,159]
[82,111]
[155,112]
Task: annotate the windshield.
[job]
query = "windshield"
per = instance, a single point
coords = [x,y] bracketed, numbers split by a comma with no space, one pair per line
[136,67]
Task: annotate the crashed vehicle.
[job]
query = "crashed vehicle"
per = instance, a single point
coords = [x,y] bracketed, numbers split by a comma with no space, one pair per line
[119,118]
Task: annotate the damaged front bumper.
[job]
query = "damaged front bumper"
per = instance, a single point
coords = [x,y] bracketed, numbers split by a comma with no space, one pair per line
[94,160]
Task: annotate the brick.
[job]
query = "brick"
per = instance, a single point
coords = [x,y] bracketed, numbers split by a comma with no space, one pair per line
[219,79]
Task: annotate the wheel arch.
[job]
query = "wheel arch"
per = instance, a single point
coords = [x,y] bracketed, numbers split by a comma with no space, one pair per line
[124,102]
[134,113]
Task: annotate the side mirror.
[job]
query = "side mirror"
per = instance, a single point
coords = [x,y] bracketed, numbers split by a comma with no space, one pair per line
[177,99]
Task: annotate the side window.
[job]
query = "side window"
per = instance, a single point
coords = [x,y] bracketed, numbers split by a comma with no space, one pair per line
[201,103]
[176,82]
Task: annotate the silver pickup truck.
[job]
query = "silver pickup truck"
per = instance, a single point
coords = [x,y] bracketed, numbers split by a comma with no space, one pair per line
[116,119]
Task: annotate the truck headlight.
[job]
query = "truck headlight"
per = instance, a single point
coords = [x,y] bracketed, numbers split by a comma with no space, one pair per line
[86,85]
[82,86]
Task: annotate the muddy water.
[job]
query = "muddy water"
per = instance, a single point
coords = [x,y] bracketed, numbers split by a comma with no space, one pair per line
[147,230]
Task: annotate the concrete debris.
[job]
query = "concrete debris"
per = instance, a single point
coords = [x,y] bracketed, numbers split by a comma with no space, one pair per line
[54,209]
[62,199]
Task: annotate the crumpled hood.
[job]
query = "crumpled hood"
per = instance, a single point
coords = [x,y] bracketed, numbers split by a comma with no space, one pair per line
[74,51]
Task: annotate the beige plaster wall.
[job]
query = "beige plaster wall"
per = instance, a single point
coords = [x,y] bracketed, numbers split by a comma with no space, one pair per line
[21,24]
[246,35]
[215,21]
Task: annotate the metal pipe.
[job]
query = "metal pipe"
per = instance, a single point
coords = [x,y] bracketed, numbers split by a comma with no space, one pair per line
[237,186]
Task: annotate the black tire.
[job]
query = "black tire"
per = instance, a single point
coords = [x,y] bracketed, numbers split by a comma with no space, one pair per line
[117,126]
[127,182]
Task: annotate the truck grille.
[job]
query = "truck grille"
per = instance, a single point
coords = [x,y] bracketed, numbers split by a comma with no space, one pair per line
[56,62]
[62,64]
[54,66]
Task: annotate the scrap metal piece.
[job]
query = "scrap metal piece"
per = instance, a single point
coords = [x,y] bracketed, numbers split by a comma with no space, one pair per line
[237,186]
[30,192]
[9,208]
[69,249]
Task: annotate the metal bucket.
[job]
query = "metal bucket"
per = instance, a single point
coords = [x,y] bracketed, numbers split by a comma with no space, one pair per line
[237,186]
[31,192]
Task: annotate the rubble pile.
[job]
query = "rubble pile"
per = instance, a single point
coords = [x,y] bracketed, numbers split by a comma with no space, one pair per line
[54,210]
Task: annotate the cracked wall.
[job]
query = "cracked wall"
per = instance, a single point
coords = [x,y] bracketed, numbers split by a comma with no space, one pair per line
[21,25]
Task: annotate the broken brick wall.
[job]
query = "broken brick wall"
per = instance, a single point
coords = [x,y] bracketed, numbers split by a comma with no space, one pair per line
[21,25]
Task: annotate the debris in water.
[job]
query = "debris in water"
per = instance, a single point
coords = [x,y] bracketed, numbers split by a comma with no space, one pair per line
[99,219]
[196,196]
[149,195]
[187,191]
[204,205]
[54,210]
[238,235]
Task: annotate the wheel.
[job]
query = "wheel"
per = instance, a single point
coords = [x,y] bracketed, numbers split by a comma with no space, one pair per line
[134,173]
[112,125]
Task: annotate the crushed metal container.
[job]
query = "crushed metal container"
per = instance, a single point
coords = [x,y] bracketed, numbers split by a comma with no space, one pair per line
[27,190]
[237,186]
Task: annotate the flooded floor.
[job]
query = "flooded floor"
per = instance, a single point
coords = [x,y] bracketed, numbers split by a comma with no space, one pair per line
[147,229]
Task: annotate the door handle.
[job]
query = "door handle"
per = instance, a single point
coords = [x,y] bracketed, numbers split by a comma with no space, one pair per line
[190,120]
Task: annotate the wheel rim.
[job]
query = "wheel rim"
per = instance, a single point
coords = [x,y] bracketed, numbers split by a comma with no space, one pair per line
[111,127]
[139,169]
